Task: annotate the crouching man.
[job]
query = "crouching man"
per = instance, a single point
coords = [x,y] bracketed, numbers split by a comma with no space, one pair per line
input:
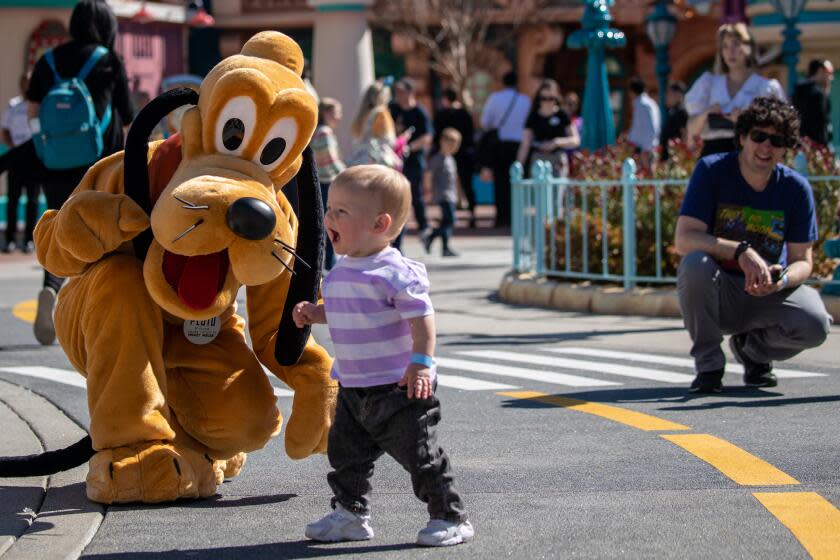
[746,230]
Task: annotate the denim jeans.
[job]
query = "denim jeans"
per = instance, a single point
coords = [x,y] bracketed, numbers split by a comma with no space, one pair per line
[447,223]
[371,421]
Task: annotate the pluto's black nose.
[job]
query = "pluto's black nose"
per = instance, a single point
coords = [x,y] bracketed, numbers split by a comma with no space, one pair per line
[251,218]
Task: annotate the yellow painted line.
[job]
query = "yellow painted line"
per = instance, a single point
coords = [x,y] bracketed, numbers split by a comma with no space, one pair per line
[812,519]
[621,415]
[742,467]
[25,310]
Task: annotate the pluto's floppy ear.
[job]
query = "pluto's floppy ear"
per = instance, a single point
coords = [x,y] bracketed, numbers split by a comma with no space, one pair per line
[305,281]
[136,167]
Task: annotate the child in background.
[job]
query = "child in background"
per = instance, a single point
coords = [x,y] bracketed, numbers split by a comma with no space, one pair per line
[327,157]
[443,174]
[381,321]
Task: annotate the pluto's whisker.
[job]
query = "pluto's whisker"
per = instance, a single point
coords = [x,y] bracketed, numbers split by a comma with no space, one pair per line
[190,205]
[288,248]
[276,256]
[189,229]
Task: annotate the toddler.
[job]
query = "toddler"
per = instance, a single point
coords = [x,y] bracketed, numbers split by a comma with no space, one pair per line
[443,174]
[381,321]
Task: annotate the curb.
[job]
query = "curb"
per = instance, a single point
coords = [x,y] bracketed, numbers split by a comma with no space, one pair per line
[584,297]
[64,521]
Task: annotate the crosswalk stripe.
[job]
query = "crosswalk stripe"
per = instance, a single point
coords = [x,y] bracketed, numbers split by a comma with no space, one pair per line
[67,377]
[601,367]
[670,361]
[282,392]
[470,384]
[544,376]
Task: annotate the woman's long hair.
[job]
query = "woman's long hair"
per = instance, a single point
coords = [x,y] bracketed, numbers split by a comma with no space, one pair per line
[377,94]
[545,84]
[742,33]
[92,21]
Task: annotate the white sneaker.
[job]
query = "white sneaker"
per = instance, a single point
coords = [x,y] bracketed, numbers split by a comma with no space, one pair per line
[340,525]
[445,533]
[44,326]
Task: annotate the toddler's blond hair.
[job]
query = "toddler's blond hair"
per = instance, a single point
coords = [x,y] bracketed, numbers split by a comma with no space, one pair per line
[387,188]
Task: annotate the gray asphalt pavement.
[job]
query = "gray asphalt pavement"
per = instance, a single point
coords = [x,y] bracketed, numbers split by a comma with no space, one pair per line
[543,473]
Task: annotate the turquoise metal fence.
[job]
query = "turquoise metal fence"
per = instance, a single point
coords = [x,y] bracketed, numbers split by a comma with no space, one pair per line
[543,203]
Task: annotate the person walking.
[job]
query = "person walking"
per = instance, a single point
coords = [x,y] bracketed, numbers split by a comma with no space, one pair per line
[16,131]
[716,99]
[442,175]
[327,157]
[92,23]
[452,114]
[409,116]
[811,99]
[746,231]
[377,307]
[505,112]
[646,124]
[373,130]
[548,132]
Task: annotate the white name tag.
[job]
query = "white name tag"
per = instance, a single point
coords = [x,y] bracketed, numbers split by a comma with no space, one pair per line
[202,332]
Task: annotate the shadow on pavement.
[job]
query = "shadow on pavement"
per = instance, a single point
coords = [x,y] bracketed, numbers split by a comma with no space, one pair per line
[491,340]
[285,550]
[214,502]
[680,398]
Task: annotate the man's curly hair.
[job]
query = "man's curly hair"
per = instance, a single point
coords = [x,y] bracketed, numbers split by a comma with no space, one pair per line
[769,112]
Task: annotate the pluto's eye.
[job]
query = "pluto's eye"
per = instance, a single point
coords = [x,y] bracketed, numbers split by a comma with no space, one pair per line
[233,133]
[272,151]
[235,125]
[279,141]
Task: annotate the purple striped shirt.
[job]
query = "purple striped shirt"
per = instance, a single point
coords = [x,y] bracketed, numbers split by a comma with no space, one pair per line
[368,301]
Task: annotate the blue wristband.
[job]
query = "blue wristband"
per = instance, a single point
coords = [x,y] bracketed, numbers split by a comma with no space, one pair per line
[421,359]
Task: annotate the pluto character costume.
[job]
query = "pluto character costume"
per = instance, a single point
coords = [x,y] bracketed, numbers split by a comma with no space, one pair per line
[173,408]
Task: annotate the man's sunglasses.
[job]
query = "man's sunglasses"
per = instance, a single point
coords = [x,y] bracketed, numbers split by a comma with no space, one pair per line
[776,140]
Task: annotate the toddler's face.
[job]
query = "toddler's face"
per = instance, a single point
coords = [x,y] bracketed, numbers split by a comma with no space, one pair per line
[350,222]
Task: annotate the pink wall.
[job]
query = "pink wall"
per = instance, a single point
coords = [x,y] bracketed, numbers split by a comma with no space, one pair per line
[151,51]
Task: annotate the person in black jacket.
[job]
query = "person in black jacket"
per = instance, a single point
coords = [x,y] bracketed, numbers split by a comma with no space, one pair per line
[92,23]
[452,114]
[811,100]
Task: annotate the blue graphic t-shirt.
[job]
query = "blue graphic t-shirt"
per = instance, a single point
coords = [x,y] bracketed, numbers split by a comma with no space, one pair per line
[783,212]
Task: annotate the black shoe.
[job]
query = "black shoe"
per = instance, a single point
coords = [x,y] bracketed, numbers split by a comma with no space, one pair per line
[427,239]
[28,248]
[10,247]
[449,253]
[756,374]
[707,382]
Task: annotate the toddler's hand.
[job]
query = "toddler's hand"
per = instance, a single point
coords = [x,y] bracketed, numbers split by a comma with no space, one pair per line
[307,313]
[418,378]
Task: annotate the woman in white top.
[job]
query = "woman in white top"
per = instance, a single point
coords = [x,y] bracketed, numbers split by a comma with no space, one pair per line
[716,99]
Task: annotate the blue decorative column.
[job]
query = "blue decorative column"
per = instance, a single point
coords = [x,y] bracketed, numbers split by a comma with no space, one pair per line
[597,36]
[790,11]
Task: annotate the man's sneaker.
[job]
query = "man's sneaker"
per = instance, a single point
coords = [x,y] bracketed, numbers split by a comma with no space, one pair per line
[10,247]
[44,326]
[756,374]
[707,382]
[440,532]
[449,253]
[340,525]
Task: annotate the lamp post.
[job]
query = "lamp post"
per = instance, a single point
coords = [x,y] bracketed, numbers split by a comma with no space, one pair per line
[596,36]
[661,27]
[790,11]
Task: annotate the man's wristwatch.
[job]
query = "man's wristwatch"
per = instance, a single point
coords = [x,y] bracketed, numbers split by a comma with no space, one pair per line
[739,250]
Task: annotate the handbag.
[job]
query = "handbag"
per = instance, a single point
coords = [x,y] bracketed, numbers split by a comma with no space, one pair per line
[489,141]
[372,149]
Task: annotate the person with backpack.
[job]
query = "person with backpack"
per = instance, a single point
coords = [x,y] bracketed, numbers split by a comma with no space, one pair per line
[79,104]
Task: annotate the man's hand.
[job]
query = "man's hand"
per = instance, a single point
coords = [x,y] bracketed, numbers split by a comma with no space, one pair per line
[714,109]
[757,278]
[418,378]
[307,313]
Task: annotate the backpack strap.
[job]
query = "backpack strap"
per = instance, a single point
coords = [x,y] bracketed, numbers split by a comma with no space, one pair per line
[48,56]
[94,57]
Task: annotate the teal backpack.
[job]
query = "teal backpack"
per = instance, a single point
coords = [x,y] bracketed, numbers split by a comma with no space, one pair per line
[71,134]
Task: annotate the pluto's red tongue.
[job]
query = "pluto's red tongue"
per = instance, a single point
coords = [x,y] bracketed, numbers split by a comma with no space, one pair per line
[200,279]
